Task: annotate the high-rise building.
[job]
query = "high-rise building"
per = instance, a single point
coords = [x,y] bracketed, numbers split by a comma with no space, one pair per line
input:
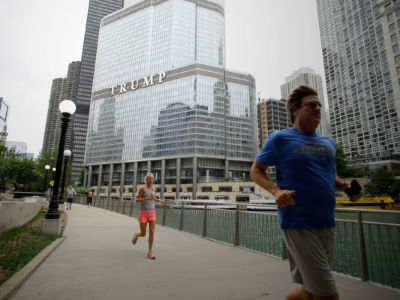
[362,89]
[164,102]
[306,75]
[390,16]
[3,121]
[97,10]
[53,123]
[62,89]
[272,116]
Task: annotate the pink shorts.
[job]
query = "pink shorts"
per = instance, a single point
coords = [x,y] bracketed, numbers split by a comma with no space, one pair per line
[147,215]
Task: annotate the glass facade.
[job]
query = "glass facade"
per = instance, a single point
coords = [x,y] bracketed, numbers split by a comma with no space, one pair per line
[193,115]
[161,93]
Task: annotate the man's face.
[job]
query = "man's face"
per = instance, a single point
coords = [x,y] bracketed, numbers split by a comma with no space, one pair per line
[309,113]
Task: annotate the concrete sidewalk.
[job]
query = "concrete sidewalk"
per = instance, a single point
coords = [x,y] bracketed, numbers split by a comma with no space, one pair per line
[98,261]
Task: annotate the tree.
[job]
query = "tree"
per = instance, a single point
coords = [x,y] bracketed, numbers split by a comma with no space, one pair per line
[81,176]
[48,157]
[341,163]
[7,157]
[4,167]
[24,172]
[381,181]
[395,189]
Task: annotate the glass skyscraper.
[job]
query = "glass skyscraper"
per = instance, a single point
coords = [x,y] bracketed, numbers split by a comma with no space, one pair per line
[363,107]
[163,101]
[97,10]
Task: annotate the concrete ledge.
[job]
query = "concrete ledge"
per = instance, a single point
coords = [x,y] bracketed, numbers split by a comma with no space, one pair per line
[15,281]
[17,213]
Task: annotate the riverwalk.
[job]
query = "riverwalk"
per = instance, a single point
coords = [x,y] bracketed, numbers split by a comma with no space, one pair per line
[96,260]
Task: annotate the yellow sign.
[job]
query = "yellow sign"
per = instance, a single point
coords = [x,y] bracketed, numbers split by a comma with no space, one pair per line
[51,183]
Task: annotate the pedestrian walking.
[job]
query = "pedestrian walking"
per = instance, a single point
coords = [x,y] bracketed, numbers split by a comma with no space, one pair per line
[147,214]
[70,195]
[305,164]
[89,198]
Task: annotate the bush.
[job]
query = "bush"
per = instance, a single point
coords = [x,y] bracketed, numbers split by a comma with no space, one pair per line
[81,190]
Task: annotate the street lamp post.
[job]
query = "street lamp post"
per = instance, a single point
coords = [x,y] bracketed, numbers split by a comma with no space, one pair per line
[67,154]
[47,167]
[52,181]
[67,109]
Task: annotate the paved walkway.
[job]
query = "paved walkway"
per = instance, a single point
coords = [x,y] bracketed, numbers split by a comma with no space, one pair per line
[98,261]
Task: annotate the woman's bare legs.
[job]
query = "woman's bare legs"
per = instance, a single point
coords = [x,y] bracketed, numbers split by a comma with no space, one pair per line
[152,227]
[142,233]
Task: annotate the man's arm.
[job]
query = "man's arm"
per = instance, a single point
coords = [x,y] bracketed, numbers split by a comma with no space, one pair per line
[258,173]
[341,185]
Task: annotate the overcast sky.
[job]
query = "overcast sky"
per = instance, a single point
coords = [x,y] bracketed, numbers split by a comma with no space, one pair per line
[38,39]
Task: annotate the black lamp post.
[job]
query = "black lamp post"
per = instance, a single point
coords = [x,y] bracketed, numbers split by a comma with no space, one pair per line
[47,167]
[67,154]
[52,180]
[67,109]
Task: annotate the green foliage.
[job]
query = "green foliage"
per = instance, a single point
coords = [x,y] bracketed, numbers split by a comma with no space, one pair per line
[342,168]
[47,158]
[81,190]
[341,163]
[23,173]
[395,189]
[381,182]
[26,172]
[81,176]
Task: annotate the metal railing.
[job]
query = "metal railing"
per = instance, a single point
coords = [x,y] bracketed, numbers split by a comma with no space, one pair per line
[366,245]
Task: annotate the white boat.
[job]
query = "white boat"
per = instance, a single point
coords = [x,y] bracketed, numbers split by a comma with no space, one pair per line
[263,205]
[211,204]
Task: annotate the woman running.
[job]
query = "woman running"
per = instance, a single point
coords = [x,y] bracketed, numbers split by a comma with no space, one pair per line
[147,214]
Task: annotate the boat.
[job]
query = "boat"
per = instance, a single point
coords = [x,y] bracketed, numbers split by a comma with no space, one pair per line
[262,205]
[368,203]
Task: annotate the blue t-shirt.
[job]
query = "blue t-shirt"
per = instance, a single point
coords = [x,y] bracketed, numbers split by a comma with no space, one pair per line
[306,163]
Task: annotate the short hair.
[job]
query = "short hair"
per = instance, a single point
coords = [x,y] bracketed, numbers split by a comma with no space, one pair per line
[295,97]
[147,175]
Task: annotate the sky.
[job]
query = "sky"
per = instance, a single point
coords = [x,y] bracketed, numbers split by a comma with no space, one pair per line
[38,39]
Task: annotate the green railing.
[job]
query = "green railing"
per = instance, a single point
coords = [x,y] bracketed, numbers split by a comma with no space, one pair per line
[367,246]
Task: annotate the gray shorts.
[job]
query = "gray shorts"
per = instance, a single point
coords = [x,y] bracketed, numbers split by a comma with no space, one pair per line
[310,257]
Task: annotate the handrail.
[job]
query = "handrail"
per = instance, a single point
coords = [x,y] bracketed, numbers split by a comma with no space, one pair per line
[367,210]
[364,248]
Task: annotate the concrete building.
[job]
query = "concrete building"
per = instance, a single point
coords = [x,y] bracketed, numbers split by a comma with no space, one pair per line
[3,121]
[360,43]
[164,102]
[97,10]
[272,116]
[306,75]
[62,88]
